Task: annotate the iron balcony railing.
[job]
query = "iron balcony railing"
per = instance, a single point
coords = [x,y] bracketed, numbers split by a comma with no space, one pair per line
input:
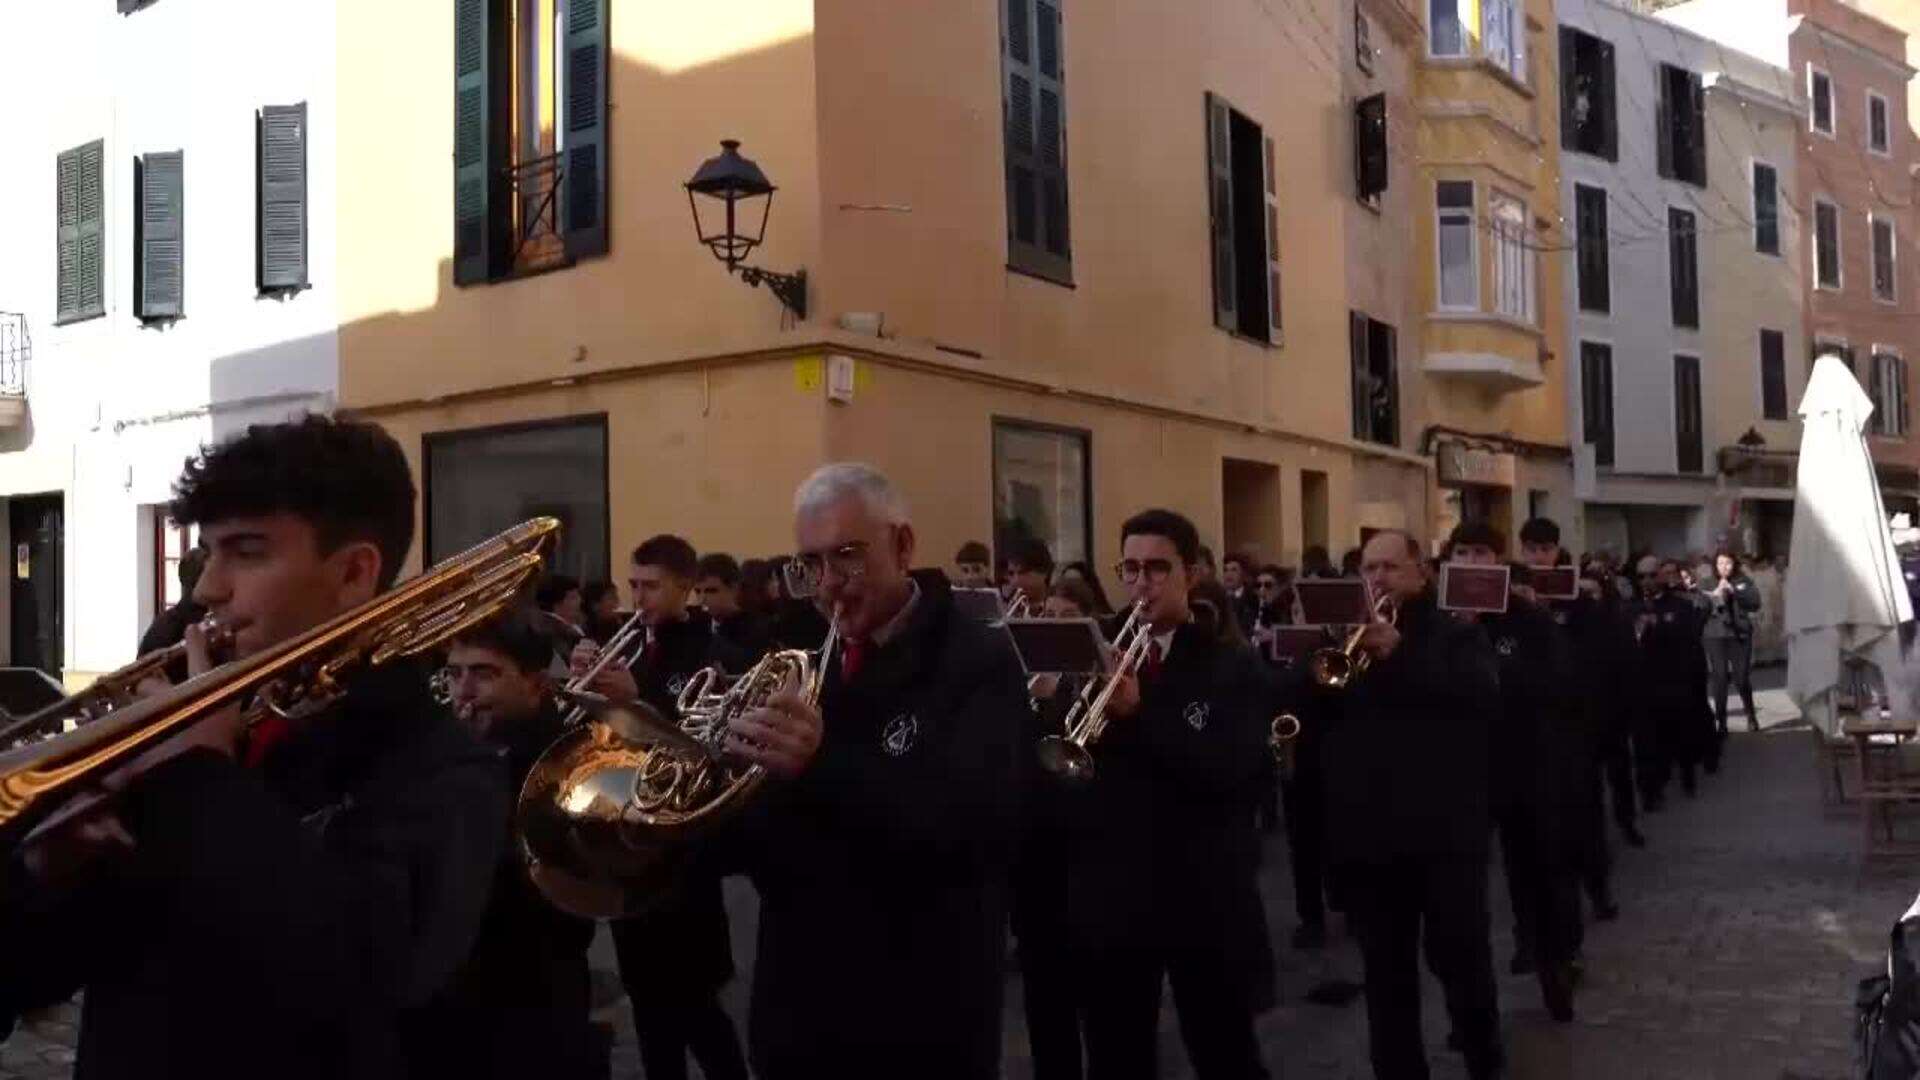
[16,348]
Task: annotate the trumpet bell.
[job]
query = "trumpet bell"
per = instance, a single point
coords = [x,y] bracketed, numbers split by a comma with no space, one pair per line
[574,819]
[1066,759]
[1332,668]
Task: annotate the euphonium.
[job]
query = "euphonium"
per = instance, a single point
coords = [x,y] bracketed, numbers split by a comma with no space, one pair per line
[294,679]
[1336,669]
[1067,755]
[114,690]
[612,809]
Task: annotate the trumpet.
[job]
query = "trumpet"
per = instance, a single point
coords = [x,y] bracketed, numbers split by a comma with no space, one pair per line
[111,691]
[1336,669]
[1020,607]
[625,646]
[1067,755]
[1280,740]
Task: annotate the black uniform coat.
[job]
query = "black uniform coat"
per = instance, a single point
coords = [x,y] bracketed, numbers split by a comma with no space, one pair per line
[1406,751]
[882,870]
[1605,667]
[682,946]
[1168,854]
[518,1006]
[1539,742]
[274,921]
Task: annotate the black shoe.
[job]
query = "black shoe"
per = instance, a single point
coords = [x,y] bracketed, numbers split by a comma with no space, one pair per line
[1689,785]
[1310,935]
[1632,836]
[1578,968]
[1522,962]
[1604,909]
[1753,724]
[1556,991]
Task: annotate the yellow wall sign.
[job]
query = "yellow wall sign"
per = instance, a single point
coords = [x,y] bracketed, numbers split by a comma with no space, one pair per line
[809,373]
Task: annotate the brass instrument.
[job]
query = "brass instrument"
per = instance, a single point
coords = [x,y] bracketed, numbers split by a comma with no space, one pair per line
[1019,607]
[111,691]
[1067,755]
[1336,669]
[614,807]
[1280,740]
[294,679]
[624,647]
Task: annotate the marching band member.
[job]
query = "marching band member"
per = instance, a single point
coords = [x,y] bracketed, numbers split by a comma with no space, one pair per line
[269,902]
[1163,880]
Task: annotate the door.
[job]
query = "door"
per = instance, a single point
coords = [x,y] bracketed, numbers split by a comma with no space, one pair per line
[35,582]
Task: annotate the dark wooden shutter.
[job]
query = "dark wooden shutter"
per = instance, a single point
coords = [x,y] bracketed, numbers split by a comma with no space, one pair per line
[1608,115]
[160,251]
[1273,238]
[1688,450]
[1773,375]
[1370,145]
[1220,204]
[1665,118]
[1362,385]
[1034,139]
[1683,268]
[1569,88]
[1383,365]
[585,147]
[281,211]
[80,272]
[479,144]
[1696,129]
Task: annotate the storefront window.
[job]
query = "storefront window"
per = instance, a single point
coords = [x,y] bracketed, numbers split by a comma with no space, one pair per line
[482,481]
[1040,489]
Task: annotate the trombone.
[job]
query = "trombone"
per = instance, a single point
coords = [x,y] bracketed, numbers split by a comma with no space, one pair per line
[1067,755]
[1336,669]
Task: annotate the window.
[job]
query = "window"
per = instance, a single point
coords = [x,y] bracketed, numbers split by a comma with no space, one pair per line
[159,236]
[1596,400]
[1681,126]
[1034,102]
[1459,273]
[1773,375]
[1362,41]
[1446,35]
[1376,387]
[1888,391]
[1683,265]
[1513,258]
[1826,244]
[280,207]
[1590,241]
[1588,120]
[530,136]
[1503,36]
[1370,148]
[1879,138]
[1246,224]
[482,480]
[1883,257]
[1820,99]
[1766,209]
[80,228]
[1689,449]
[171,542]
[1042,489]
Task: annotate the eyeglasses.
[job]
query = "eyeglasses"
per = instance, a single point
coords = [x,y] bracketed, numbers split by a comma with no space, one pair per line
[1129,570]
[1264,585]
[806,571]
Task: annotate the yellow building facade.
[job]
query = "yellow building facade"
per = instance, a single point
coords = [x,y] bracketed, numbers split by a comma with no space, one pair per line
[1063,263]
[1486,249]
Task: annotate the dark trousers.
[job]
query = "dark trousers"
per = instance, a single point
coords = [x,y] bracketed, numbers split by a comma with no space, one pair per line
[1730,663]
[1543,885]
[1616,759]
[1306,805]
[668,1028]
[1210,1000]
[673,962]
[1392,905]
[1595,855]
[1048,971]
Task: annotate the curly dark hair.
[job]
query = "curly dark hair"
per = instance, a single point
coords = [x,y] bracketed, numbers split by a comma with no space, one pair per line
[347,478]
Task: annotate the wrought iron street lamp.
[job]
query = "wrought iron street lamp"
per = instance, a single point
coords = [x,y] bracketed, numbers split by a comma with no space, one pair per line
[730,198]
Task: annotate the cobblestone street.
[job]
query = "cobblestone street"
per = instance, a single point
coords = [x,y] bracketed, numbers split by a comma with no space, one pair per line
[1745,924]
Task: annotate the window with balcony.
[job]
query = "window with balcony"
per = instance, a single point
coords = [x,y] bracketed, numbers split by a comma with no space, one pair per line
[1766,208]
[1594,271]
[1588,118]
[1879,126]
[530,136]
[1683,267]
[1884,258]
[1820,100]
[1688,431]
[1514,273]
[1034,104]
[1376,386]
[1826,244]
[1681,126]
[1456,247]
[1244,208]
[1596,400]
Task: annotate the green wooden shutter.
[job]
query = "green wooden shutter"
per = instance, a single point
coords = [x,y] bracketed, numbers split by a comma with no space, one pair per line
[479,196]
[1220,207]
[80,270]
[281,210]
[67,236]
[160,246]
[584,164]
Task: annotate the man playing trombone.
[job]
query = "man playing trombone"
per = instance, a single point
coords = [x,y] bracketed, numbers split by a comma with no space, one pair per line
[1162,882]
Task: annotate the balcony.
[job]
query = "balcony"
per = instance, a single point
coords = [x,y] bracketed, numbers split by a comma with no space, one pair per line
[1489,370]
[16,348]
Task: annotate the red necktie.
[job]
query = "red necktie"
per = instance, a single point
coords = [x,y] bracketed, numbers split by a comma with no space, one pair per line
[853,654]
[263,737]
[1151,669]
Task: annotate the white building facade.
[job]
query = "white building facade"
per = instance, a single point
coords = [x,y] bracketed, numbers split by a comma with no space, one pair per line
[1677,234]
[168,211]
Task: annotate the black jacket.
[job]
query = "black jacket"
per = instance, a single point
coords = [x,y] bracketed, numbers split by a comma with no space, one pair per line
[1605,665]
[1406,751]
[882,870]
[518,1005]
[1731,616]
[275,921]
[1540,742]
[1672,659]
[170,628]
[746,634]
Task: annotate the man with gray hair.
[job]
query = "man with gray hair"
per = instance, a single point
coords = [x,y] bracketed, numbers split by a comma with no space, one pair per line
[882,859]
